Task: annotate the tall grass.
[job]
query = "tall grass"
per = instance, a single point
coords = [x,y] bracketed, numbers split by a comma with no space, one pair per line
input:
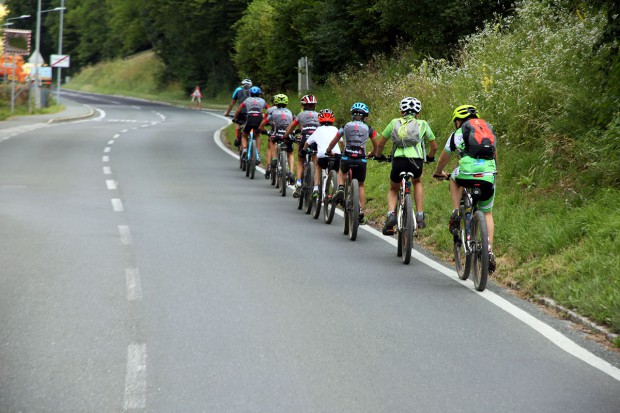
[535,77]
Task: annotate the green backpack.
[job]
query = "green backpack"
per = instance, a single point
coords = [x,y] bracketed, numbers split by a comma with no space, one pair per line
[406,133]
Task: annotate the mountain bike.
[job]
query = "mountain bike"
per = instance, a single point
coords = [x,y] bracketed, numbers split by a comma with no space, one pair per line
[328,187]
[351,204]
[406,225]
[471,241]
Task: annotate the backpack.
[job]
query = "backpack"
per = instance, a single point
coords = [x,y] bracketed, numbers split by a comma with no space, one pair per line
[406,133]
[479,139]
[242,95]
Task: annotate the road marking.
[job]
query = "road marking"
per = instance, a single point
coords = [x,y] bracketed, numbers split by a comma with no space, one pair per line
[107,149]
[107,170]
[111,142]
[125,234]
[125,131]
[137,107]
[135,380]
[117,205]
[144,126]
[111,184]
[134,285]
[544,329]
[105,159]
[116,136]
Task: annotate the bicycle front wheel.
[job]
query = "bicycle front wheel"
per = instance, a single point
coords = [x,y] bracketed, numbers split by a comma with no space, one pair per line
[480,235]
[407,229]
[354,212]
[329,203]
[462,260]
[253,158]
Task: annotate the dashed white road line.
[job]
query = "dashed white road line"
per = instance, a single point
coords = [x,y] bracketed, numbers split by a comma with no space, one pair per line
[111,142]
[134,285]
[107,149]
[135,379]
[107,170]
[105,159]
[125,234]
[117,205]
[111,184]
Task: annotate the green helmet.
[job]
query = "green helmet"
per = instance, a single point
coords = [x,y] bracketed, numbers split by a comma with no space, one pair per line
[280,99]
[464,111]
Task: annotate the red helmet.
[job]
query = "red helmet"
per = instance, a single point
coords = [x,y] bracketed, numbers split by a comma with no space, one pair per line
[326,116]
[308,100]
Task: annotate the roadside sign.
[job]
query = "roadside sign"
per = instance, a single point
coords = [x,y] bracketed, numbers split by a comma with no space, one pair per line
[60,60]
[16,41]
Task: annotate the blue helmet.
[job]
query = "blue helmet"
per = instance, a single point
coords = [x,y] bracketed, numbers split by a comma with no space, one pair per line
[255,91]
[360,107]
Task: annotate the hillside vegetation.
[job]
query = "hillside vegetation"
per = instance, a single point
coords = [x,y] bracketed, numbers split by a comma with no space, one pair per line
[550,88]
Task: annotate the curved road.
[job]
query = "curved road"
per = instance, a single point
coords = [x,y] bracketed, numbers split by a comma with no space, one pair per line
[143,272]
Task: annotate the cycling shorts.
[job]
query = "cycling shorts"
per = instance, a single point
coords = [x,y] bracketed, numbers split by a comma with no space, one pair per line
[403,164]
[241,118]
[253,123]
[487,189]
[324,162]
[288,144]
[357,166]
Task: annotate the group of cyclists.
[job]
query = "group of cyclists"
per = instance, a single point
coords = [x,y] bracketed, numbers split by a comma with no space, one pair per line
[473,141]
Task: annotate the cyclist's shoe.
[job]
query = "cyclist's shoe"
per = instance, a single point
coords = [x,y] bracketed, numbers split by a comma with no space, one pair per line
[339,196]
[455,222]
[390,221]
[297,192]
[492,265]
[420,221]
[315,194]
[291,178]
[237,143]
[257,161]
[268,173]
[274,163]
[362,219]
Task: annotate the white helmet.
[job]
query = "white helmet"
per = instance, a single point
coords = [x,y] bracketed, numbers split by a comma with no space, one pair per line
[246,82]
[410,104]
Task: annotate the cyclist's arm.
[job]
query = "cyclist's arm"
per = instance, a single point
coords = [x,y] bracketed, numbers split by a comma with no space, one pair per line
[291,127]
[232,103]
[262,125]
[375,143]
[333,143]
[441,163]
[238,111]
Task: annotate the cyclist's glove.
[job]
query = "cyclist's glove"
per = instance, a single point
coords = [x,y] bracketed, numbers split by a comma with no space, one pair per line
[430,159]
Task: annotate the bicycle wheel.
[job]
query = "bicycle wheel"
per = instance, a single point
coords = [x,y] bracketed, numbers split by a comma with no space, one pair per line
[407,229]
[253,158]
[308,186]
[329,205]
[354,214]
[345,207]
[247,159]
[272,173]
[462,260]
[399,220]
[283,172]
[481,252]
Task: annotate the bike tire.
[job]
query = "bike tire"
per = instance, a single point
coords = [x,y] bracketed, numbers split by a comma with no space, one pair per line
[354,215]
[329,205]
[399,234]
[273,174]
[247,160]
[345,209]
[283,173]
[407,229]
[308,186]
[462,260]
[253,158]
[480,235]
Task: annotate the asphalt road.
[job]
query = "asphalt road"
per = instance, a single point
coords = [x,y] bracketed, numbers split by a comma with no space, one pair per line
[143,272]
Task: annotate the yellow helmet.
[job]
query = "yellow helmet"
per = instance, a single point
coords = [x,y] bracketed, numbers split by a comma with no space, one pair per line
[280,99]
[464,111]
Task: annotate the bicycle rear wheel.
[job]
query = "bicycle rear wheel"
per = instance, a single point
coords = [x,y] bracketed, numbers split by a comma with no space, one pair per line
[282,162]
[318,202]
[407,229]
[329,204]
[308,185]
[253,158]
[273,173]
[462,260]
[481,252]
[354,212]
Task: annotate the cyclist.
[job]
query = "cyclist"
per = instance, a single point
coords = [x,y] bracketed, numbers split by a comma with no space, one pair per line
[255,105]
[322,137]
[278,117]
[473,170]
[408,135]
[239,95]
[307,121]
[355,134]
[270,151]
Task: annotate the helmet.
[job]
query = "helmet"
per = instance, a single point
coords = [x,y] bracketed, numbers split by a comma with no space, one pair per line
[410,104]
[326,116]
[280,99]
[246,82]
[464,111]
[308,100]
[360,107]
[255,91]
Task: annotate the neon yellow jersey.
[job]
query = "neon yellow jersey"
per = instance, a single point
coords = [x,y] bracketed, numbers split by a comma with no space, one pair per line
[416,151]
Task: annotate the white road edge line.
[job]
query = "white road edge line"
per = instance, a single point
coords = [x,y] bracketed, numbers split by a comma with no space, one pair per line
[135,380]
[544,329]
